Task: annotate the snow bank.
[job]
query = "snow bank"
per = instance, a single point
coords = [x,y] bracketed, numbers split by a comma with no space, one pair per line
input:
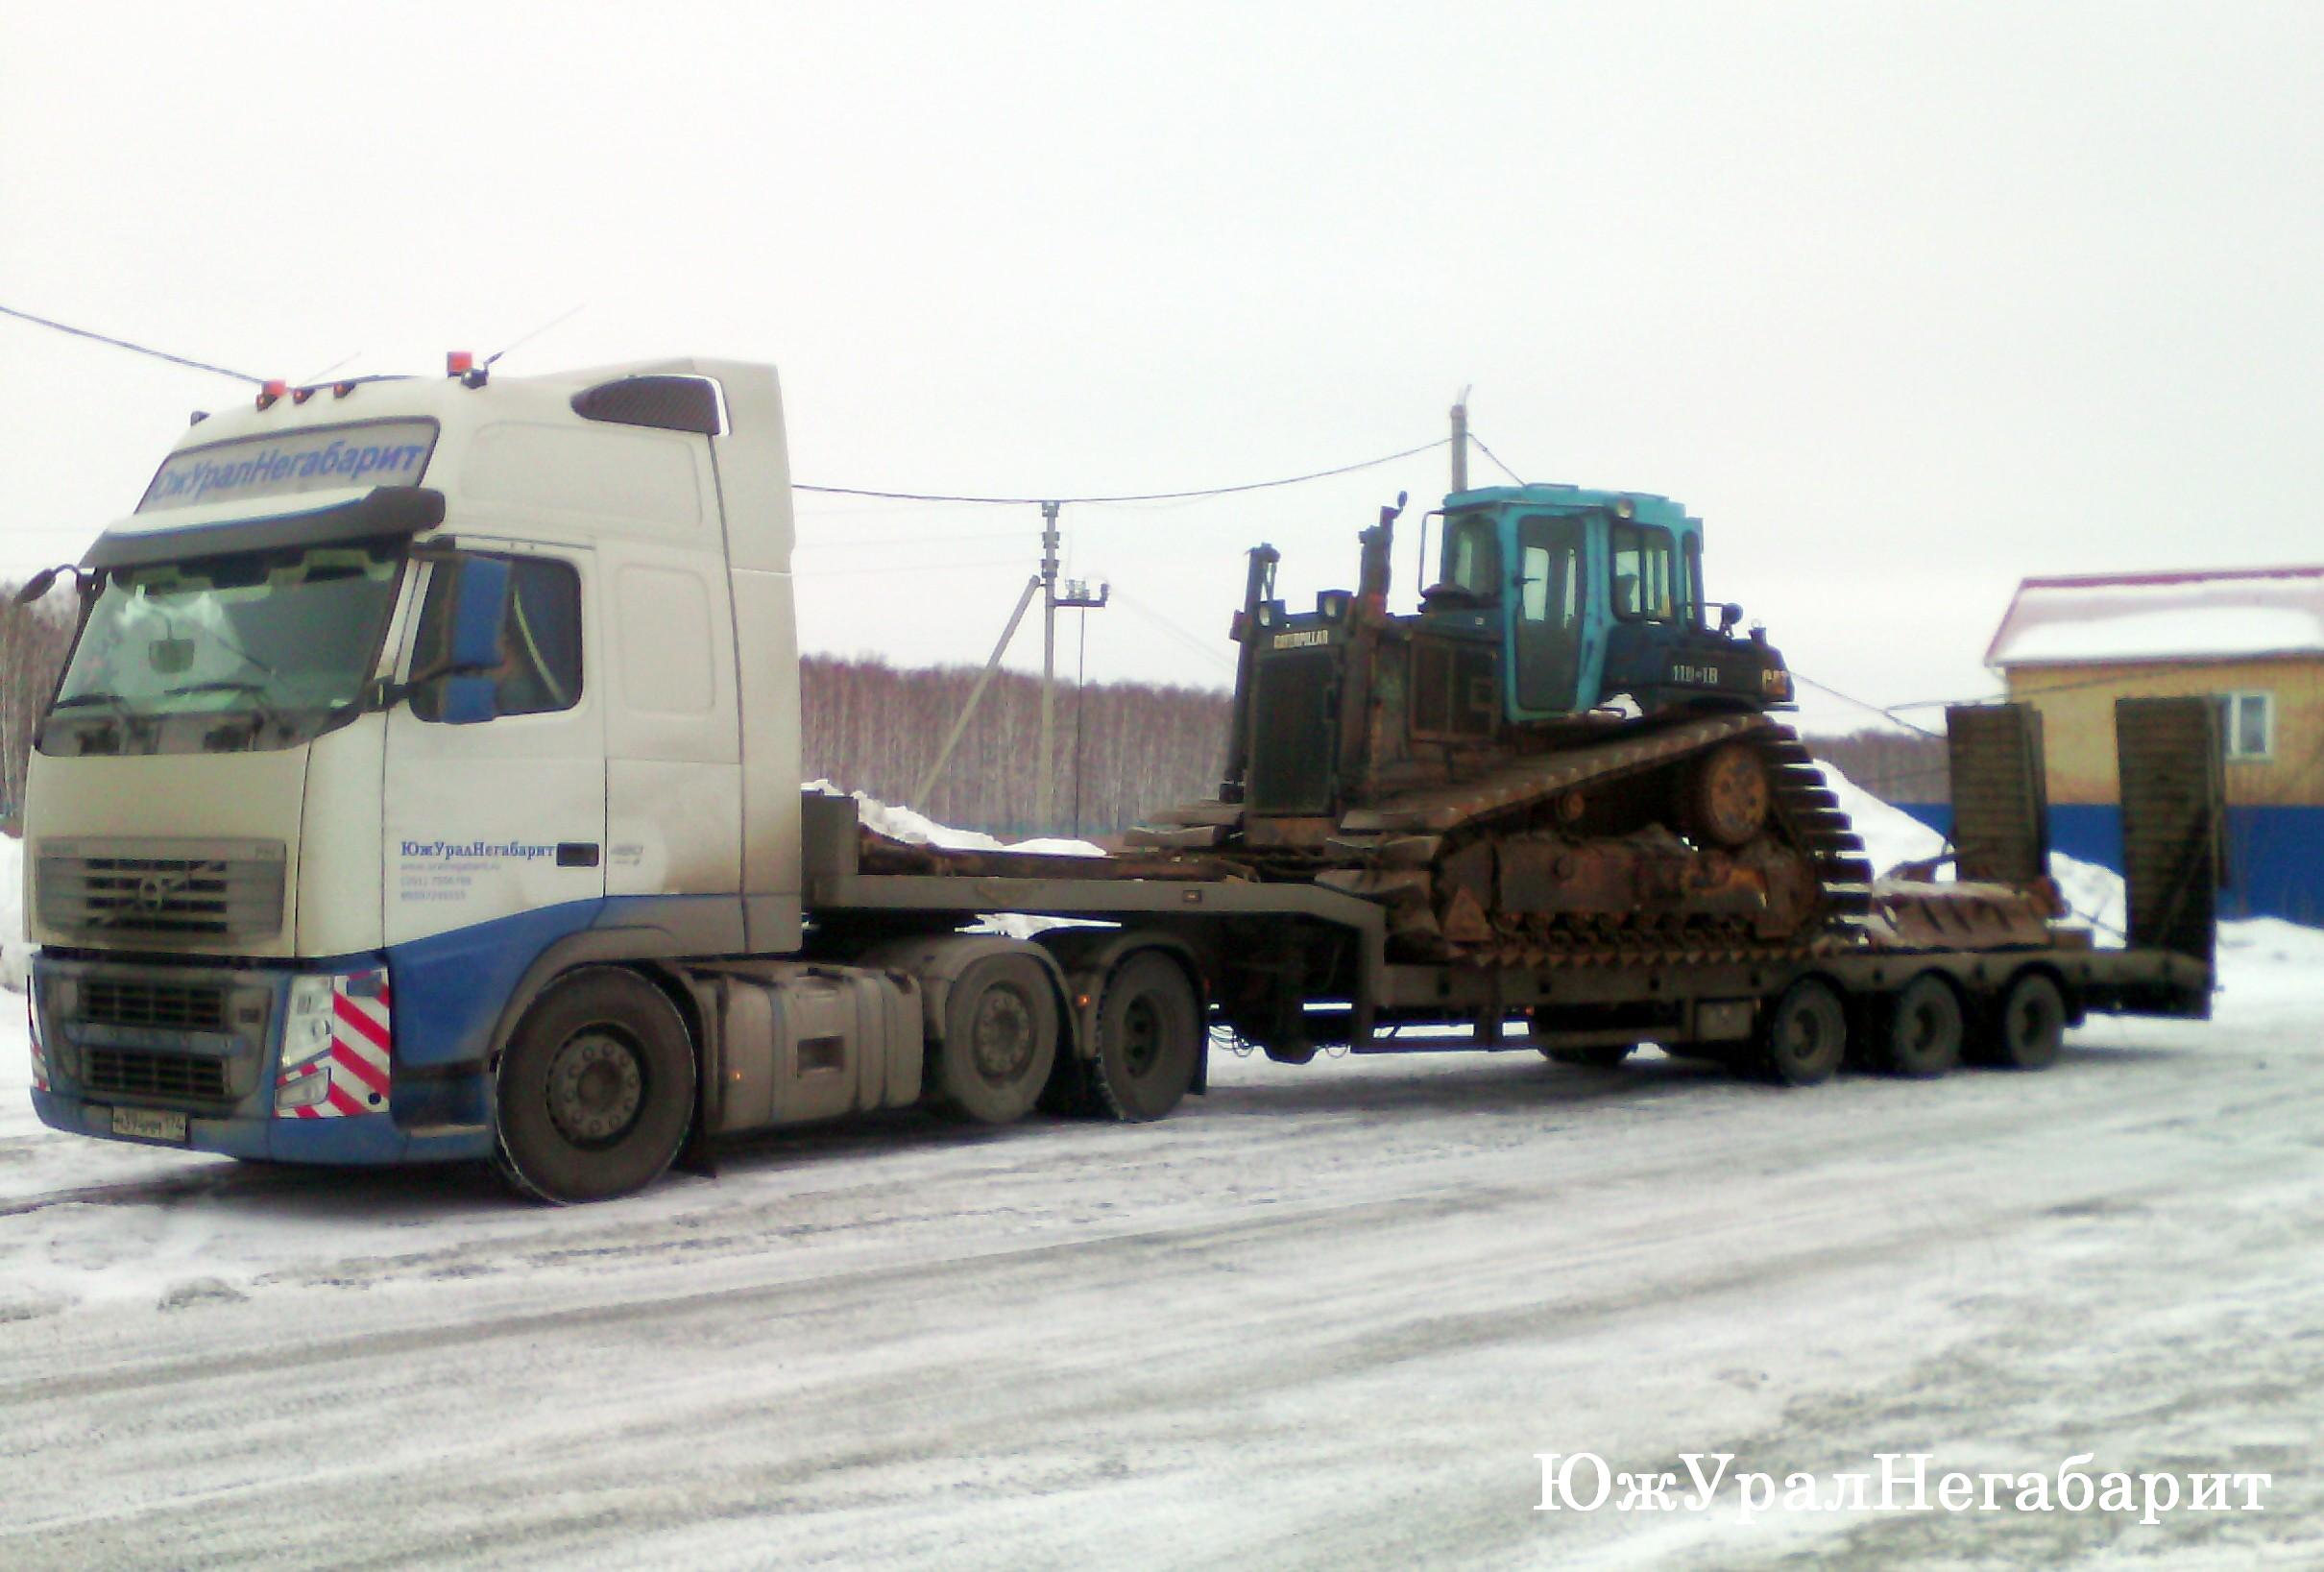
[15,957]
[918,830]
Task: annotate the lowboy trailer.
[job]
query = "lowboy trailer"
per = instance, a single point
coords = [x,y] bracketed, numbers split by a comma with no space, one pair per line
[424,785]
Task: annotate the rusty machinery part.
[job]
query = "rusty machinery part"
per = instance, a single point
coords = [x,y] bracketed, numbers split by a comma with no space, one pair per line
[1597,871]
[1713,837]
[1726,797]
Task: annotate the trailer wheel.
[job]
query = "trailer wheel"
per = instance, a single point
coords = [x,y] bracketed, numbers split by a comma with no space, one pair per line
[1925,1029]
[1000,1040]
[1149,1038]
[596,1090]
[2029,1028]
[1805,1036]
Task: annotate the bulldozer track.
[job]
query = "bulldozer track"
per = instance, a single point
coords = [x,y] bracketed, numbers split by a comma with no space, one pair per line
[1804,812]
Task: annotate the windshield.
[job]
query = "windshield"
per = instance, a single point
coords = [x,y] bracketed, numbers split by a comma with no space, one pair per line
[281,643]
[1472,555]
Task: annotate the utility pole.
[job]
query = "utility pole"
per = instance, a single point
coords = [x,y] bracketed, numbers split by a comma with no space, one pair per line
[924,794]
[1046,800]
[1459,442]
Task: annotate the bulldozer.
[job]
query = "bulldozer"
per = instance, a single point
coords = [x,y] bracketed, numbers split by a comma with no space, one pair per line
[1567,755]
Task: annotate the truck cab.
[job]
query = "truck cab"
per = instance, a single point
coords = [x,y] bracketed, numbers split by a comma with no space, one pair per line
[389,696]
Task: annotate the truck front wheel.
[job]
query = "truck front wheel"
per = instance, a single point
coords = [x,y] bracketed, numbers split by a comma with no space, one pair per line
[1149,1036]
[595,1090]
[1000,1040]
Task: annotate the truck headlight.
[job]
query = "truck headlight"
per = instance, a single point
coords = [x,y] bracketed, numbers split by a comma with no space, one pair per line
[334,1058]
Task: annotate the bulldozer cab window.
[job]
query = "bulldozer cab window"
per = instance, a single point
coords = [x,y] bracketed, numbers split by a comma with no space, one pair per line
[1549,614]
[1645,575]
[1472,557]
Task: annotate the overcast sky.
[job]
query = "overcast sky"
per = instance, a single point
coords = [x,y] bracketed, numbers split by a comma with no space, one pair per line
[1905,302]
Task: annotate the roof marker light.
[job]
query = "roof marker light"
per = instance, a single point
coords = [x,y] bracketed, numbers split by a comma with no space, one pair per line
[299,395]
[340,389]
[270,393]
[459,362]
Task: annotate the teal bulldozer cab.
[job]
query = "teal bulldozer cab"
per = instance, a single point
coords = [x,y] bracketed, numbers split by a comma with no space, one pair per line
[1589,594]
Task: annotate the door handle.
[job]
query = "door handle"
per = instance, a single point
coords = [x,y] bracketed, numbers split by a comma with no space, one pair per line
[577,854]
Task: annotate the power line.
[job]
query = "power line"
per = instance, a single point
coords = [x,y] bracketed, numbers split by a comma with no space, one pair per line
[136,349]
[1863,704]
[1207,651]
[1130,496]
[1496,458]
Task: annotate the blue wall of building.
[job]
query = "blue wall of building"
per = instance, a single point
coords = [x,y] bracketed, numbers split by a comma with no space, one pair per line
[2275,855]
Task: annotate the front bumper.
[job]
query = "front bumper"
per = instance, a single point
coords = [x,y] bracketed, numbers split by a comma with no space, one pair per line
[278,1063]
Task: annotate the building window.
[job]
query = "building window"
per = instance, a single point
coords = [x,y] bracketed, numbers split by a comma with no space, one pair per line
[2247,724]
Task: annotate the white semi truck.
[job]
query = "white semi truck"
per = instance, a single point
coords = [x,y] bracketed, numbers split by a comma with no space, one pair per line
[424,785]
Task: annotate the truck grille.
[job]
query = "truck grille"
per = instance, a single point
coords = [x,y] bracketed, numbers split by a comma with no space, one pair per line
[162,888]
[180,1006]
[131,1073]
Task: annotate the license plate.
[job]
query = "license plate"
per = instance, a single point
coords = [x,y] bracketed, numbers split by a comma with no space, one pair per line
[150,1125]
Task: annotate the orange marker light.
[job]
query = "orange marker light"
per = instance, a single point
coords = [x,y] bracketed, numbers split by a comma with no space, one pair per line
[459,362]
[269,393]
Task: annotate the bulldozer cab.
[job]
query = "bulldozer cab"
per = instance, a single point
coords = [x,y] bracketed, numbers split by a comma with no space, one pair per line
[1589,594]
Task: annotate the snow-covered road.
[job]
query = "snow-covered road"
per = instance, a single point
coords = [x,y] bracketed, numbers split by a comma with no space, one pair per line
[1323,1316]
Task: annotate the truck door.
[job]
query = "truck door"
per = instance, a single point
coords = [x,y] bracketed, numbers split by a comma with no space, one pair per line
[1549,607]
[495,781]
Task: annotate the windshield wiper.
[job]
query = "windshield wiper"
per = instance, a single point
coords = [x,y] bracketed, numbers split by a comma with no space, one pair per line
[265,712]
[120,705]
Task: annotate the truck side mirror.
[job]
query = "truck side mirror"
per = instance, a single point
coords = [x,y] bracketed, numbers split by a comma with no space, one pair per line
[466,701]
[457,685]
[479,606]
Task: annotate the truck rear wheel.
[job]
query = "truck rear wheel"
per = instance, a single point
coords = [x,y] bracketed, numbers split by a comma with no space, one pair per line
[595,1091]
[1599,1056]
[1805,1036]
[1149,1038]
[1925,1027]
[2029,1028]
[1000,1040]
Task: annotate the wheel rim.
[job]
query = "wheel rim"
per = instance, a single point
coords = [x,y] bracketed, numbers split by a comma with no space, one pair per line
[1003,1034]
[1141,1037]
[596,1086]
[2031,1028]
[1804,1035]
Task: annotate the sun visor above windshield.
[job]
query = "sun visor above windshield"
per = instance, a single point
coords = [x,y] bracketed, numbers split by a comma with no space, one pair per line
[381,511]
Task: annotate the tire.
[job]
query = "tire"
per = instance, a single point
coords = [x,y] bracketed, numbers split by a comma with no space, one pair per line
[999,1041]
[1587,1058]
[2029,1028]
[596,1090]
[1805,1036]
[1926,1026]
[1149,1039]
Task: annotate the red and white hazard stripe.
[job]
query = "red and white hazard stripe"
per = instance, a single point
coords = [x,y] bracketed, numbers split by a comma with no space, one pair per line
[357,1059]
